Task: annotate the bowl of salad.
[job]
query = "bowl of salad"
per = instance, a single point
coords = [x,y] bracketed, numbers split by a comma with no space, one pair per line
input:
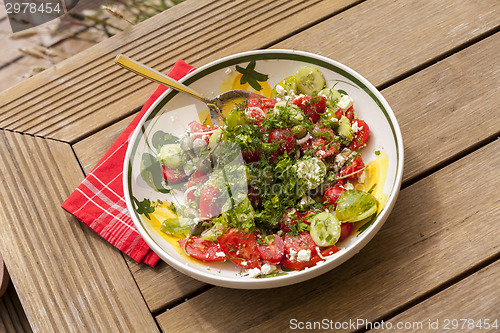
[285,188]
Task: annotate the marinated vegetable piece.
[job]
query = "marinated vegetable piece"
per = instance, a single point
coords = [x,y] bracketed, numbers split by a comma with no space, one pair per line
[354,205]
[325,229]
[310,80]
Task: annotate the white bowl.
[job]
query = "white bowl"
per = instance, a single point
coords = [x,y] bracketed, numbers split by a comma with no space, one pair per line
[175,110]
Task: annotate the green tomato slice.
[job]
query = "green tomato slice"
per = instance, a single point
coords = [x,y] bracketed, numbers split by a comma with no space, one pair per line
[354,205]
[325,229]
[285,87]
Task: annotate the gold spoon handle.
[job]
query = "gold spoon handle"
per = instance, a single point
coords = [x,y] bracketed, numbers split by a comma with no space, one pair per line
[155,76]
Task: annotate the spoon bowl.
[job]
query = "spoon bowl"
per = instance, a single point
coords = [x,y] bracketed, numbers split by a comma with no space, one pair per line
[215,105]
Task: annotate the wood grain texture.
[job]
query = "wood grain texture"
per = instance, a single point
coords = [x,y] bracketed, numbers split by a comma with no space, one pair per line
[437,94]
[383,40]
[162,285]
[475,298]
[439,112]
[89,92]
[12,316]
[72,280]
[430,238]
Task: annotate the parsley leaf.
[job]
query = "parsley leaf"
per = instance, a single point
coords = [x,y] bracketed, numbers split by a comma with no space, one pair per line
[143,207]
[251,76]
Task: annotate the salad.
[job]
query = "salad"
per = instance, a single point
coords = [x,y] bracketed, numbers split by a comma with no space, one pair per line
[271,189]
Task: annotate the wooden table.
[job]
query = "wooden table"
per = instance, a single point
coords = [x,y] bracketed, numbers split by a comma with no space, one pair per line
[435,260]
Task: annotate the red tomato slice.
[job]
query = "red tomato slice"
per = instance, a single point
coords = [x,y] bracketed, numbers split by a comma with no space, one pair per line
[256,114]
[354,168]
[263,103]
[251,154]
[241,248]
[290,219]
[197,178]
[299,242]
[198,131]
[311,212]
[361,136]
[210,201]
[322,142]
[274,250]
[201,249]
[313,107]
[172,175]
[300,265]
[286,141]
[349,113]
[345,230]
[332,194]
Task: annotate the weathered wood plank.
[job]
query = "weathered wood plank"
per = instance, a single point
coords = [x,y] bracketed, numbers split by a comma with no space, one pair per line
[433,235]
[439,115]
[417,113]
[12,316]
[17,71]
[88,91]
[67,278]
[383,40]
[162,285]
[475,298]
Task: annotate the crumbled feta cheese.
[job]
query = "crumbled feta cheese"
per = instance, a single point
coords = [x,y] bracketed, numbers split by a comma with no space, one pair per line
[268,269]
[304,255]
[361,178]
[293,255]
[355,127]
[254,272]
[280,90]
[243,263]
[348,186]
[345,102]
[220,254]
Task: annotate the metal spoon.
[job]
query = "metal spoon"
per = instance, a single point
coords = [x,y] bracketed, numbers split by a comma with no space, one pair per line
[215,105]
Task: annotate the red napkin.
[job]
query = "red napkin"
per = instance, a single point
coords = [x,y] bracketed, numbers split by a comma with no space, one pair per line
[99,202]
